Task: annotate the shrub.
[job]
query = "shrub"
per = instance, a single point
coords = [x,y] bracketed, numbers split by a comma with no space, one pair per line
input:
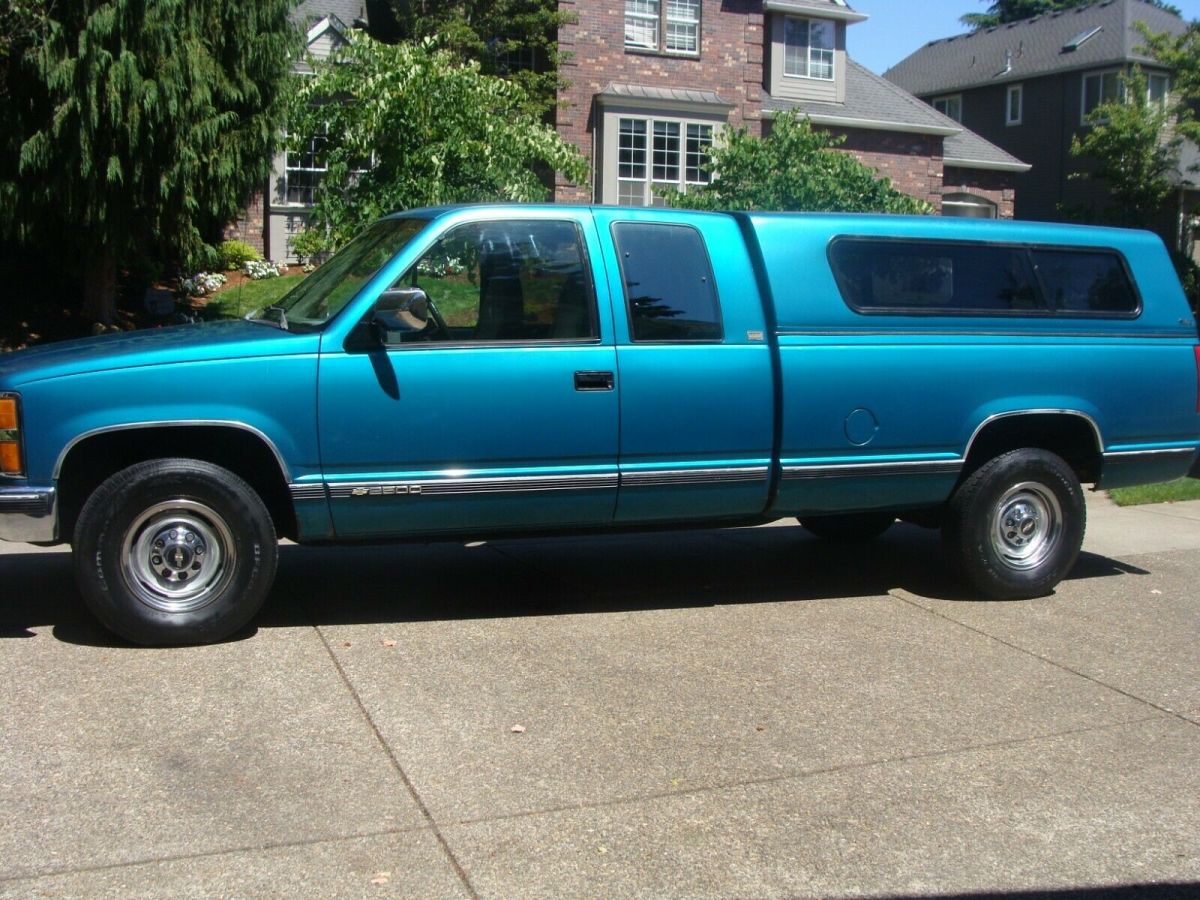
[201,283]
[235,254]
[261,268]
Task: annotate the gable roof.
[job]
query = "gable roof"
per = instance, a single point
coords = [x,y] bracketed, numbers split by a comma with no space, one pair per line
[1086,37]
[875,104]
[309,12]
[871,103]
[329,23]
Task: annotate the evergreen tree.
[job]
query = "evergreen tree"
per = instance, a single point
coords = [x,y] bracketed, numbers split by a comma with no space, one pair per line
[137,128]
[1001,12]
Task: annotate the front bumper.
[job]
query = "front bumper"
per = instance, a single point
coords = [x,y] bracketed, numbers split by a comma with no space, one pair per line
[28,514]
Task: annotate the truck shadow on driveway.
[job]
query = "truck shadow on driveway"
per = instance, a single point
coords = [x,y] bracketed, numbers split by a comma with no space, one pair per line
[611,573]
[543,576]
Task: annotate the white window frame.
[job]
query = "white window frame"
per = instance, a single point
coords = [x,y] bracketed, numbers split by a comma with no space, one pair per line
[318,170]
[1166,83]
[676,32]
[823,58]
[656,126]
[963,200]
[945,106]
[1015,92]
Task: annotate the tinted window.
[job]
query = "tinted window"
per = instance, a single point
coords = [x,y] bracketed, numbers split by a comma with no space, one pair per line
[1087,281]
[920,276]
[504,281]
[668,283]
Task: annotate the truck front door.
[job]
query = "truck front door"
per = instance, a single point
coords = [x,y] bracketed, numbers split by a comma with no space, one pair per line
[497,408]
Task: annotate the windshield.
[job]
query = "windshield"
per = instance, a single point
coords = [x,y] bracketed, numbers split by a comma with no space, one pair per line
[321,296]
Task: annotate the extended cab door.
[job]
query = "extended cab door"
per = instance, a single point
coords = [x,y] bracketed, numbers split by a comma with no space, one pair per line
[697,392]
[493,408]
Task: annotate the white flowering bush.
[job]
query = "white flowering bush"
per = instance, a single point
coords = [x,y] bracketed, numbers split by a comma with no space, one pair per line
[440,266]
[201,284]
[259,269]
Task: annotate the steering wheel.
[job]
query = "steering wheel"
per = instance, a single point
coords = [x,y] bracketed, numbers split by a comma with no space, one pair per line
[439,323]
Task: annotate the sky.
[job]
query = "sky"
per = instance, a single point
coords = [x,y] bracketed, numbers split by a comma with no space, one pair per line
[898,27]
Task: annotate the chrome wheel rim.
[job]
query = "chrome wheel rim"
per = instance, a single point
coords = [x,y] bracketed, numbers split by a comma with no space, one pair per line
[1027,526]
[178,556]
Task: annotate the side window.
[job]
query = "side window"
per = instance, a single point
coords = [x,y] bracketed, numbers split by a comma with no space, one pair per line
[1086,281]
[503,281]
[934,277]
[669,289]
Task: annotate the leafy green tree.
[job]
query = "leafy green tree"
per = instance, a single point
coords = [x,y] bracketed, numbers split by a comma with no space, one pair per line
[1136,151]
[1180,54]
[138,127]
[794,168]
[516,39]
[1001,12]
[410,125]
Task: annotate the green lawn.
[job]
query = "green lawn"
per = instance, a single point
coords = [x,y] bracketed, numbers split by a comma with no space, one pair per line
[1183,489]
[234,302]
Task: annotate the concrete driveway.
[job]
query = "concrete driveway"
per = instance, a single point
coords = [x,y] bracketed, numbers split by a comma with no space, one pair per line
[746,713]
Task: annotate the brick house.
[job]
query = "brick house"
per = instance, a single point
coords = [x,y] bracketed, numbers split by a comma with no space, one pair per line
[280,210]
[1028,86]
[651,82]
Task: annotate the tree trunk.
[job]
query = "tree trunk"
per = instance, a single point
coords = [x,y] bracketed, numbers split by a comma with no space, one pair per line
[100,286]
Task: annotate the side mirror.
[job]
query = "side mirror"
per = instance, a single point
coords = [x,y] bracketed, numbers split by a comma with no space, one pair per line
[399,312]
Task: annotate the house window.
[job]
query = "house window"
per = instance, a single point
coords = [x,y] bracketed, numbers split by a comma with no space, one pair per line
[1098,89]
[949,106]
[660,153]
[968,206]
[1157,88]
[304,170]
[1013,107]
[808,48]
[293,226]
[663,26]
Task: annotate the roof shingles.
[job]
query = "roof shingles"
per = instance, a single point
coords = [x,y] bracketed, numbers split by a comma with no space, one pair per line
[870,100]
[1033,47]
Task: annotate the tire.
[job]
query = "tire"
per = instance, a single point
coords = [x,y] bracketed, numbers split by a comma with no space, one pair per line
[174,551]
[1015,526]
[849,526]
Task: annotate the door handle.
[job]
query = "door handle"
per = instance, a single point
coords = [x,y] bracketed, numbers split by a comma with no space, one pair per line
[593,381]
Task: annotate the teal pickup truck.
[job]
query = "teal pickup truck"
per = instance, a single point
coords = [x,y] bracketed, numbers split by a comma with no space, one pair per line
[484,370]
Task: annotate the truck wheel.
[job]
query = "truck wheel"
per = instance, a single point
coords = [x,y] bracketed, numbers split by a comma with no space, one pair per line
[1015,526]
[849,526]
[174,551]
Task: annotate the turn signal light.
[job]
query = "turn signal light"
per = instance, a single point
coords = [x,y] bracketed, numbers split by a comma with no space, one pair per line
[10,458]
[8,413]
[10,438]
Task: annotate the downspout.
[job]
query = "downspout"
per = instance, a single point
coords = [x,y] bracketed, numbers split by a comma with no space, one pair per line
[1179,231]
